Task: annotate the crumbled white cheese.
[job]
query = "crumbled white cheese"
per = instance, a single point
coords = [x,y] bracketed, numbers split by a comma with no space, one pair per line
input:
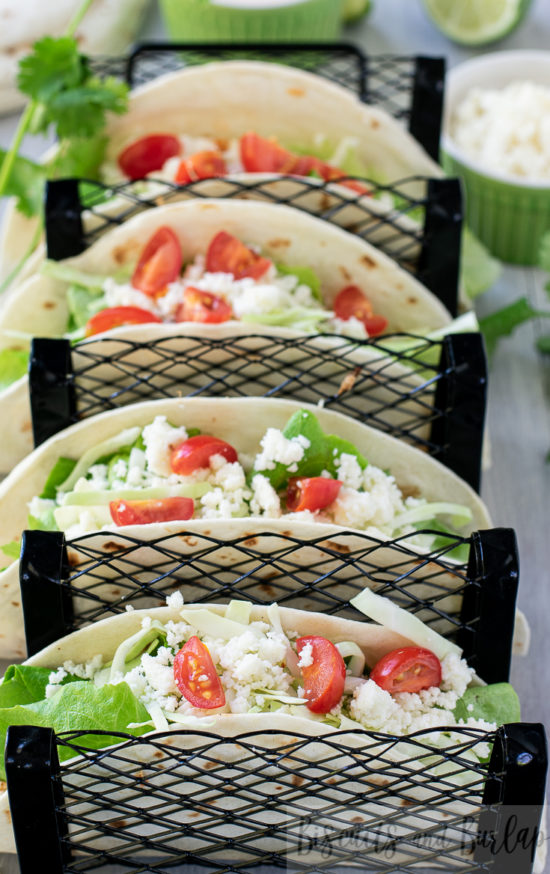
[278,448]
[349,471]
[160,440]
[175,600]
[306,656]
[265,500]
[506,130]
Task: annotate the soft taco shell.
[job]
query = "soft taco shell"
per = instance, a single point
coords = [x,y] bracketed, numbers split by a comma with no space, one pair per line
[342,793]
[227,99]
[104,637]
[416,474]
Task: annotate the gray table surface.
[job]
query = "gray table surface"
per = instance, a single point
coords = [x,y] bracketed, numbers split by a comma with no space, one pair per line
[517,485]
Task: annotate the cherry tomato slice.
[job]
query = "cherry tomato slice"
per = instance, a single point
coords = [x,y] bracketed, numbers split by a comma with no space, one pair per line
[202,306]
[114,317]
[352,303]
[148,154]
[259,155]
[311,493]
[409,669]
[159,263]
[196,677]
[144,512]
[324,678]
[202,165]
[195,453]
[334,174]
[226,254]
[375,325]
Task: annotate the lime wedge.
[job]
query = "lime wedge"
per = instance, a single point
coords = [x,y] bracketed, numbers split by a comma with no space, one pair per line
[476,22]
[353,10]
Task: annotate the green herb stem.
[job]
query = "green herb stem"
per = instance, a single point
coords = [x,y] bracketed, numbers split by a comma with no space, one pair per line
[11,155]
[26,118]
[74,23]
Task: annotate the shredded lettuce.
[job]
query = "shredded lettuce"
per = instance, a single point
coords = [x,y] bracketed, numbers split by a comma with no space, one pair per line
[209,623]
[350,650]
[64,272]
[460,515]
[100,450]
[402,622]
[133,646]
[59,473]
[83,303]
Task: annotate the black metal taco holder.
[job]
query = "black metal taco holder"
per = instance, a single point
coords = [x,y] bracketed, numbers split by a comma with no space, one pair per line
[70,814]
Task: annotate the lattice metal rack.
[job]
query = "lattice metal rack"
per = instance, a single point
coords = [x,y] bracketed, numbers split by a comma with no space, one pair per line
[465,589]
[416,221]
[410,88]
[192,801]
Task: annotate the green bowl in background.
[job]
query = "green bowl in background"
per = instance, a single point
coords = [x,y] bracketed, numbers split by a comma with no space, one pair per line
[249,21]
[507,214]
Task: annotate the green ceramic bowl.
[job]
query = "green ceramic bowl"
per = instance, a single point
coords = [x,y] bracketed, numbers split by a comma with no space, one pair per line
[508,215]
[252,20]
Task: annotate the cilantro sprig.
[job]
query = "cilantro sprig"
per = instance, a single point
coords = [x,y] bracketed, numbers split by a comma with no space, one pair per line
[64,96]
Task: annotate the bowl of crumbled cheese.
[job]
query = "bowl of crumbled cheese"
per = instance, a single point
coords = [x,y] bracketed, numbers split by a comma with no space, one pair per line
[497,139]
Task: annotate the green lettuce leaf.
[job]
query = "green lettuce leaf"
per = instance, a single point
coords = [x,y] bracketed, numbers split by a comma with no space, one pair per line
[79,706]
[83,303]
[26,684]
[305,276]
[26,183]
[496,703]
[14,364]
[321,454]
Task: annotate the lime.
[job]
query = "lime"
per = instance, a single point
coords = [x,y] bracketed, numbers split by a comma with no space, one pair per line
[353,10]
[475,22]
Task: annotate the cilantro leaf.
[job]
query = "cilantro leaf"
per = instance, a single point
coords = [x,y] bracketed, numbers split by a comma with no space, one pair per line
[53,66]
[543,344]
[78,157]
[26,184]
[504,321]
[81,111]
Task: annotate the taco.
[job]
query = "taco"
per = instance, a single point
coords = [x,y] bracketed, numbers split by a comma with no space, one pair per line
[228,670]
[202,113]
[248,266]
[276,466]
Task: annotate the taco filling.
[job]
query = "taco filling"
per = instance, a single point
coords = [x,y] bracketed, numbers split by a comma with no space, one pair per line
[200,664]
[161,473]
[230,281]
[183,159]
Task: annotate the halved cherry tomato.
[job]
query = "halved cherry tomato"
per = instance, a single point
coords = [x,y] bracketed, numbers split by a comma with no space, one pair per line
[195,453]
[409,669]
[160,262]
[352,303]
[144,512]
[333,174]
[202,165]
[226,254]
[311,493]
[259,155]
[148,154]
[202,306]
[114,317]
[196,677]
[375,325]
[324,678]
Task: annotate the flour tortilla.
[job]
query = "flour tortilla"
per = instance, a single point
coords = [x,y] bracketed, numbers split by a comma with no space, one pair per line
[227,99]
[375,641]
[241,422]
[38,306]
[104,637]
